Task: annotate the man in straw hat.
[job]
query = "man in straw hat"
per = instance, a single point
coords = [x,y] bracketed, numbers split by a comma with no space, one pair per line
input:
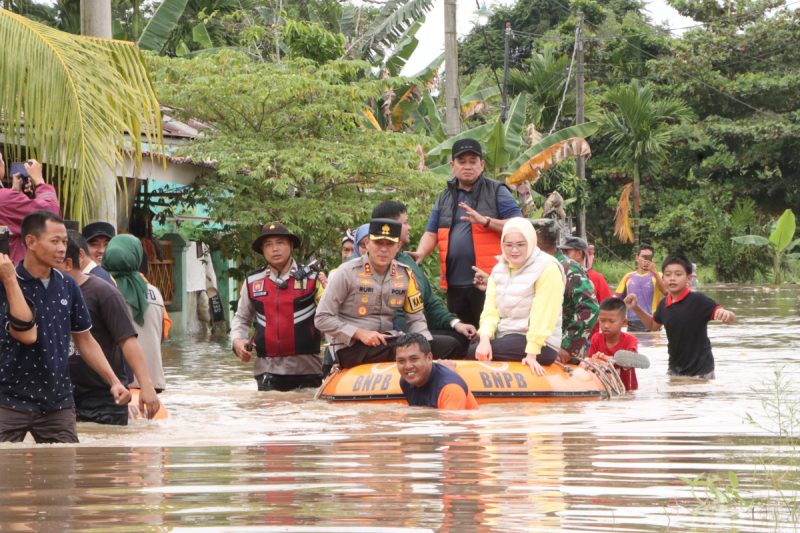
[282,298]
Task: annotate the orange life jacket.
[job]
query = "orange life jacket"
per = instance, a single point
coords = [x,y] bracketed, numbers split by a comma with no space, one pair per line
[485,242]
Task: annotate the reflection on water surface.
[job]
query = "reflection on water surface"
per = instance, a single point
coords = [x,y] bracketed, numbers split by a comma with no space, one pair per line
[232,459]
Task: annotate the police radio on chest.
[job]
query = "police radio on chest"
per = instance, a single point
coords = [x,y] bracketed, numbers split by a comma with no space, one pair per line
[305,271]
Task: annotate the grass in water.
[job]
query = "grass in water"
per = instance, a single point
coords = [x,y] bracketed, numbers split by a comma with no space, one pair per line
[776,493]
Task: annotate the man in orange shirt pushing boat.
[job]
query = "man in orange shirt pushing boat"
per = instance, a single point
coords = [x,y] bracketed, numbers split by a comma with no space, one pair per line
[426,384]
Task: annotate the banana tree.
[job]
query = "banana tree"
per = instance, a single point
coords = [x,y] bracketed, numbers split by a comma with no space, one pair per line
[501,141]
[158,29]
[76,108]
[778,245]
[506,144]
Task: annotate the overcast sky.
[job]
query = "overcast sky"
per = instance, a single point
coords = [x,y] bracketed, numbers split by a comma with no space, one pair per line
[431,35]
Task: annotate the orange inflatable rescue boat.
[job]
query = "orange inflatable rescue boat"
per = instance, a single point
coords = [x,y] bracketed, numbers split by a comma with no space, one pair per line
[135,414]
[488,381]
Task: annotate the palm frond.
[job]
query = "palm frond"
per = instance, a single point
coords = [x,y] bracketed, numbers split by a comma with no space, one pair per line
[622,219]
[72,100]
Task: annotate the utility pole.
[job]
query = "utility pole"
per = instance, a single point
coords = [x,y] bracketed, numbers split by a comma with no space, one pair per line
[506,54]
[452,104]
[96,18]
[96,22]
[579,119]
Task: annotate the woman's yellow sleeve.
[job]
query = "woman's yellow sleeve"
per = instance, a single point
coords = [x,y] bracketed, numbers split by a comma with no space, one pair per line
[546,308]
[490,317]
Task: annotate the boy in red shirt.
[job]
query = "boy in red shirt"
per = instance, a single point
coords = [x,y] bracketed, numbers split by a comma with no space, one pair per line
[611,339]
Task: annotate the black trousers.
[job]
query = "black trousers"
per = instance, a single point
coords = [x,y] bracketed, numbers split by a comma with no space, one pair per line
[449,344]
[101,409]
[360,354]
[278,382]
[466,303]
[445,345]
[511,347]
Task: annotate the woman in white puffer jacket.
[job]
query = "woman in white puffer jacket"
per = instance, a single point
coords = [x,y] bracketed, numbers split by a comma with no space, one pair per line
[521,319]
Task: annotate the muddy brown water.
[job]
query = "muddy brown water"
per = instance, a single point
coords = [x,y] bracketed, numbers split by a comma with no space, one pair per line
[232,459]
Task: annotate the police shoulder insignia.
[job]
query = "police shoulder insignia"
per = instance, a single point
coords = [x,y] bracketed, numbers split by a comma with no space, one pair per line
[414,302]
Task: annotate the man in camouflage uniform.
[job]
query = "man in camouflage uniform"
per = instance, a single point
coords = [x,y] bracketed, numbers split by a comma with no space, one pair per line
[580,307]
[362,297]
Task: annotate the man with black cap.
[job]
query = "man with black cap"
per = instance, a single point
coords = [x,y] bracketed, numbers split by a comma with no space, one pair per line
[97,235]
[364,294]
[466,223]
[282,299]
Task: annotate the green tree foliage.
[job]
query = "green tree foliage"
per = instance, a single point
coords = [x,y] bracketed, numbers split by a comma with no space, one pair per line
[740,73]
[312,41]
[294,149]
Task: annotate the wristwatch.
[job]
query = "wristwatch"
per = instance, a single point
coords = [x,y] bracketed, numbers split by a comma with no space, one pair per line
[488,221]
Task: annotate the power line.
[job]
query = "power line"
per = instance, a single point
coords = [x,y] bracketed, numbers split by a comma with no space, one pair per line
[705,84]
[569,75]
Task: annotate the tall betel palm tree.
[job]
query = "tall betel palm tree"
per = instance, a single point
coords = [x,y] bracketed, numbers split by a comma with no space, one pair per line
[72,101]
[641,128]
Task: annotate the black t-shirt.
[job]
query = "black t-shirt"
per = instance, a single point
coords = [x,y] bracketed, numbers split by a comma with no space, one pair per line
[111,324]
[686,321]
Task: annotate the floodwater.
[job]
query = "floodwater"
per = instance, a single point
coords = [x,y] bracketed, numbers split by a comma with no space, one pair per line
[232,459]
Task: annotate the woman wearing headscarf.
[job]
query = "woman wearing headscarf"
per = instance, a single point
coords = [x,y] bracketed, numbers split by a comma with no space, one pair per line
[122,260]
[521,319]
[361,240]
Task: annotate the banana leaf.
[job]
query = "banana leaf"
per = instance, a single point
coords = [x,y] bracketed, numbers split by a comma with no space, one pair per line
[430,114]
[784,231]
[514,128]
[579,130]
[164,20]
[755,240]
[474,85]
[483,94]
[200,36]
[495,155]
[444,148]
[404,48]
[425,75]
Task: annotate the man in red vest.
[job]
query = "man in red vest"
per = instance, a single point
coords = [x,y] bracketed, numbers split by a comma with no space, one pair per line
[282,299]
[465,224]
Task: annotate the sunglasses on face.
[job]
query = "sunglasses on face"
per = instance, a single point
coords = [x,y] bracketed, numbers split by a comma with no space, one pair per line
[647,257]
